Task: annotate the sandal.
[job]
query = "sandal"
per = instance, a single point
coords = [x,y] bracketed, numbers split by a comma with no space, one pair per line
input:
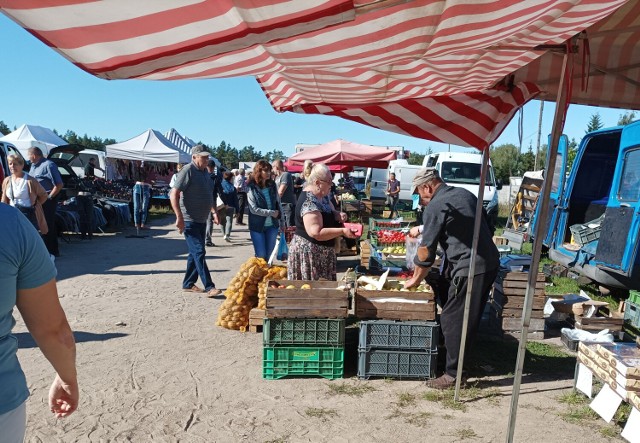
[214,293]
[193,288]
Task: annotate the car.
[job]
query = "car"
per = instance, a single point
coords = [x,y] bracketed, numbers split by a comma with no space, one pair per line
[63,156]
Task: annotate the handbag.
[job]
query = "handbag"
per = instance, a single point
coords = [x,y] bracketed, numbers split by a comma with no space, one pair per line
[283,249]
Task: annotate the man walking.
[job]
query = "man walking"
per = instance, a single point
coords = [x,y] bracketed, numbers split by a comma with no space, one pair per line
[47,174]
[448,220]
[240,182]
[192,201]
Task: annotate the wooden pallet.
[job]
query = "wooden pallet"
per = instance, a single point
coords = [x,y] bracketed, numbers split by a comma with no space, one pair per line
[380,305]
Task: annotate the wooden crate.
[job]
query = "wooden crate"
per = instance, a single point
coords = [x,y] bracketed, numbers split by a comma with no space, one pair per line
[256,318]
[599,323]
[395,305]
[322,300]
[514,324]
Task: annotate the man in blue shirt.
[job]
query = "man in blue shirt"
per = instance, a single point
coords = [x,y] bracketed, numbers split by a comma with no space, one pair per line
[47,174]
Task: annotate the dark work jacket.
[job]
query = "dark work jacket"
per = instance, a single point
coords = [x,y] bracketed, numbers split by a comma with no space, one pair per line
[258,210]
[448,220]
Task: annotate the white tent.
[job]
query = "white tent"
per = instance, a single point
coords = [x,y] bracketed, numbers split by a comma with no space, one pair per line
[27,136]
[185,143]
[149,146]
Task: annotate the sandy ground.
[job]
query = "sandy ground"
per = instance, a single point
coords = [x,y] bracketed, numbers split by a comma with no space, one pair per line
[169,374]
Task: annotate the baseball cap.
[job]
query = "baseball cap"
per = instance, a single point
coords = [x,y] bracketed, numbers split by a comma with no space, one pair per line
[200,151]
[424,175]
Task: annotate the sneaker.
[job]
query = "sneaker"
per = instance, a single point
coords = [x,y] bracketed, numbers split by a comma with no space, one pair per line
[227,239]
[209,243]
[445,381]
[193,288]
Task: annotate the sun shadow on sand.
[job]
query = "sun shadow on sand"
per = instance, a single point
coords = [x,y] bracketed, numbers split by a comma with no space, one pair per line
[26,341]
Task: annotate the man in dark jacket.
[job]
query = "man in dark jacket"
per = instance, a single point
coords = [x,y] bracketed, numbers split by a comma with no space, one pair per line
[448,221]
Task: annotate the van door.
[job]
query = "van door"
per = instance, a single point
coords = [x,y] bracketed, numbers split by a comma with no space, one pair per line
[557,202]
[618,243]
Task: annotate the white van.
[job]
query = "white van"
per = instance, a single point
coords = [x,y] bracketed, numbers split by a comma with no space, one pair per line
[462,170]
[404,174]
[82,159]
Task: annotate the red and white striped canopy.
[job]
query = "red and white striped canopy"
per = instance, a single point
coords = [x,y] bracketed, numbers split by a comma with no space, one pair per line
[406,66]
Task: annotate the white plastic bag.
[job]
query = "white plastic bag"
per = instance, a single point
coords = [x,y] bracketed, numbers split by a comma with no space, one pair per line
[411,245]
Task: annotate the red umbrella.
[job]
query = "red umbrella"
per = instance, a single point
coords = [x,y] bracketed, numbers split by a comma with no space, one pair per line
[340,154]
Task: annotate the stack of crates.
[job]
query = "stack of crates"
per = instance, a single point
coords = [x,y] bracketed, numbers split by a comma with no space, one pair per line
[398,349]
[303,347]
[632,309]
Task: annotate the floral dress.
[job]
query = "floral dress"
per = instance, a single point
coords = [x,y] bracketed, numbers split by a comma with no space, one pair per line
[308,260]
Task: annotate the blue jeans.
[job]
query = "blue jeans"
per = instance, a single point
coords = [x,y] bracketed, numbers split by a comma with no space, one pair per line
[264,242]
[141,198]
[196,260]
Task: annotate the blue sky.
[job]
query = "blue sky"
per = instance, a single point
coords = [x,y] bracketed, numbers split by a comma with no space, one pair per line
[42,88]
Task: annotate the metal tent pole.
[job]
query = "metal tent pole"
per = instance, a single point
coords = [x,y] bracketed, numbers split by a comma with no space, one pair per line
[472,269]
[541,223]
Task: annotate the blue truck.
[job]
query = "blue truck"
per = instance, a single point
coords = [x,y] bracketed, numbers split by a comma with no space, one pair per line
[593,225]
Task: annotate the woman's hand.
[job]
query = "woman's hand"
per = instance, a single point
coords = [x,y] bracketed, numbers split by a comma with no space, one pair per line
[348,233]
[276,213]
[340,217]
[63,397]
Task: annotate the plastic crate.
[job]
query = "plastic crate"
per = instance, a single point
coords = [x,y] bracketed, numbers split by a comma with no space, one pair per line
[634,297]
[376,224]
[395,265]
[396,364]
[583,234]
[303,331]
[282,361]
[571,344]
[632,314]
[399,335]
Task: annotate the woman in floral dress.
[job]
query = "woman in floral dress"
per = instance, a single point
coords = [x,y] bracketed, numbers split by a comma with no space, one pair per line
[312,254]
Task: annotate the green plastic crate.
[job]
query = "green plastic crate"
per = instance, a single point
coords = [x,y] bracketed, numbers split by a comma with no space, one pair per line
[632,314]
[282,361]
[634,297]
[303,331]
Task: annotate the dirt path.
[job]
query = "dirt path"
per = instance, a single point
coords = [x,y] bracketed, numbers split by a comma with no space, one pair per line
[154,367]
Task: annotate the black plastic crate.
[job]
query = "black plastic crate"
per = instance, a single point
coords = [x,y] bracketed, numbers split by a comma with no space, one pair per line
[399,335]
[396,364]
[303,331]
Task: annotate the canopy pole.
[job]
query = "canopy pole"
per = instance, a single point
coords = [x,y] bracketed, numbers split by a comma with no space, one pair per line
[472,269]
[541,224]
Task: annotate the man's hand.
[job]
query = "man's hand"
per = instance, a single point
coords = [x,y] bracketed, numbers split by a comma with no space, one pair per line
[414,232]
[216,220]
[419,273]
[180,224]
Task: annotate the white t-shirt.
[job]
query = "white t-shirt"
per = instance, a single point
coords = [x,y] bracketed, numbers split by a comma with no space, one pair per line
[19,192]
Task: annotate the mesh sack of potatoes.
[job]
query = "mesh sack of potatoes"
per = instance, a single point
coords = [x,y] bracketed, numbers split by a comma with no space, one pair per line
[274,273]
[242,295]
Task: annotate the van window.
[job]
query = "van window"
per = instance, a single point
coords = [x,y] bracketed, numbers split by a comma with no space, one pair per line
[464,173]
[630,182]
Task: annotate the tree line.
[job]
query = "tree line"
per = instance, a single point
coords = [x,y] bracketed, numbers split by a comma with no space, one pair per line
[507,159]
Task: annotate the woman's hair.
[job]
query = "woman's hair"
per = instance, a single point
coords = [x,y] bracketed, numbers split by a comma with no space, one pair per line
[306,170]
[261,165]
[318,172]
[228,176]
[15,159]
